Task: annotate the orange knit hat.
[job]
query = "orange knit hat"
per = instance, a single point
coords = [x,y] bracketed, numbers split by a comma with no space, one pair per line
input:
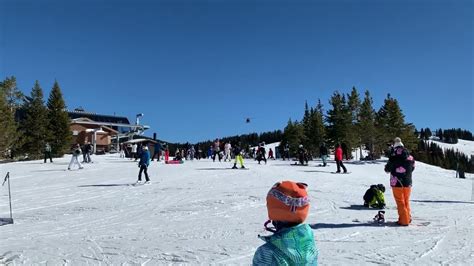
[288,202]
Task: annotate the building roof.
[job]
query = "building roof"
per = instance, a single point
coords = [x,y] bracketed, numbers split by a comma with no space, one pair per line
[98,118]
[90,122]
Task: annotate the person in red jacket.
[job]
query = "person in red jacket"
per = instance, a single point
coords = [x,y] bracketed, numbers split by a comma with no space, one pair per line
[338,158]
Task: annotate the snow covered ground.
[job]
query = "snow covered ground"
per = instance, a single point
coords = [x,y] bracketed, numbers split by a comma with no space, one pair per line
[202,212]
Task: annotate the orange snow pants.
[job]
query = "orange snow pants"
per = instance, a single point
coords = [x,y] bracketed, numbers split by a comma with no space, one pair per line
[402,197]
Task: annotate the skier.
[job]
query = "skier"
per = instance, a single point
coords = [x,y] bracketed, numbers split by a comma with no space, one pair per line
[143,164]
[122,150]
[338,158]
[374,197]
[270,154]
[323,153]
[292,242]
[238,157]
[260,156]
[286,152]
[134,152]
[400,165]
[216,150]
[86,153]
[157,152]
[227,148]
[47,152]
[76,151]
[192,152]
[167,153]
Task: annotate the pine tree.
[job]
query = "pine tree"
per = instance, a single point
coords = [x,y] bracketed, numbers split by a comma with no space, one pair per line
[391,123]
[354,134]
[10,98]
[12,94]
[307,127]
[367,124]
[339,121]
[58,127]
[34,126]
[317,131]
[8,135]
[293,134]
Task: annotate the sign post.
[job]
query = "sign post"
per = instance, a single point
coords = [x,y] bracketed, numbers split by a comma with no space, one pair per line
[8,220]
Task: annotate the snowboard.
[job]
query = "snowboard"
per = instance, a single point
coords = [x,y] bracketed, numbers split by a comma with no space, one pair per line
[174,162]
[140,184]
[391,224]
[298,164]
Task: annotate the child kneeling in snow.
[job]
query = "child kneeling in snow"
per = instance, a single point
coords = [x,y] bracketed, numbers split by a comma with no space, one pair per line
[292,242]
[374,197]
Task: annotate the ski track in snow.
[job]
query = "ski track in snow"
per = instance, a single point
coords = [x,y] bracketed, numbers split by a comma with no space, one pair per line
[196,213]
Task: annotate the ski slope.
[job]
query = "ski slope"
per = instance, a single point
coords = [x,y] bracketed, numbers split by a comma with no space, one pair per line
[463,146]
[202,212]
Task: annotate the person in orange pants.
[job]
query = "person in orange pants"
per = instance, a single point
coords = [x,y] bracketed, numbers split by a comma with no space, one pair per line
[402,198]
[400,165]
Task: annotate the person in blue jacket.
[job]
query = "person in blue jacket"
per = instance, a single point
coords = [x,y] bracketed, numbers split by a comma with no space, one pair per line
[143,164]
[158,148]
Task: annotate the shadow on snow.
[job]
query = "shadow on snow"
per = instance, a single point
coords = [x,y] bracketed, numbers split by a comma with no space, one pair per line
[108,185]
[443,201]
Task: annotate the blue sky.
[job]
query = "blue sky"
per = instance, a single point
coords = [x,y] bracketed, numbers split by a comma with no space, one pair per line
[197,69]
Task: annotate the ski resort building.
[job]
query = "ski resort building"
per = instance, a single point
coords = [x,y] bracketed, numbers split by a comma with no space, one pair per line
[105,132]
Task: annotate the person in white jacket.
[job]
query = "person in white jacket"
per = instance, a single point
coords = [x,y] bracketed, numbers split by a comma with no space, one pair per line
[227,149]
[134,151]
[76,152]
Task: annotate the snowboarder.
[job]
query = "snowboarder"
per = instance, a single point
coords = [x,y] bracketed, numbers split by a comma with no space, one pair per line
[47,152]
[143,164]
[374,197]
[302,155]
[400,165]
[338,158]
[323,153]
[76,152]
[238,157]
[292,242]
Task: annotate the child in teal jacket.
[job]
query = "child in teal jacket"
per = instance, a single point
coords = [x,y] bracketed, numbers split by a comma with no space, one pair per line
[292,242]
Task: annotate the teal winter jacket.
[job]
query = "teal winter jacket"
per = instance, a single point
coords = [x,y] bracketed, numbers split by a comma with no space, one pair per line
[289,246]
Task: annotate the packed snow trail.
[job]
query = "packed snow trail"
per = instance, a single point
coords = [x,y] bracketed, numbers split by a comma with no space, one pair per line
[196,213]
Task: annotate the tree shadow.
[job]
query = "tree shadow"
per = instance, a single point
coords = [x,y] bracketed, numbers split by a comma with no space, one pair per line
[108,185]
[348,225]
[443,201]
